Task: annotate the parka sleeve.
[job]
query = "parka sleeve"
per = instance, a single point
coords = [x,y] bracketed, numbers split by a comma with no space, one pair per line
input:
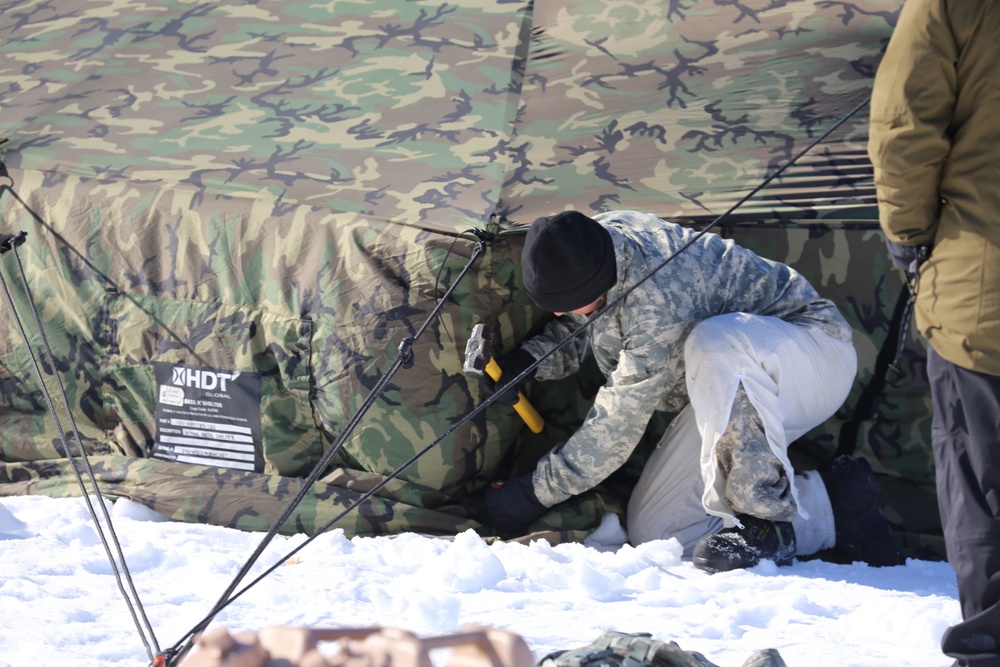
[911,107]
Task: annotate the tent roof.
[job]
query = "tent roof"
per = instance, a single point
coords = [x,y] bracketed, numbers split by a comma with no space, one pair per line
[445,115]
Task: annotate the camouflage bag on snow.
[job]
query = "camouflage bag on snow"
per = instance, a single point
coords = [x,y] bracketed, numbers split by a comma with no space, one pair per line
[619,649]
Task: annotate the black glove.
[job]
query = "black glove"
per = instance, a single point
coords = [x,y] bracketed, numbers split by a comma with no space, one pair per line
[512,365]
[907,258]
[511,508]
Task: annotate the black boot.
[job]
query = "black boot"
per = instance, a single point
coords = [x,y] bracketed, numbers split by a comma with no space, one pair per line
[863,534]
[739,548]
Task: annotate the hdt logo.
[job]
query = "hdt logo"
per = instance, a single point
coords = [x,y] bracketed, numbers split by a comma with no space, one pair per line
[202,379]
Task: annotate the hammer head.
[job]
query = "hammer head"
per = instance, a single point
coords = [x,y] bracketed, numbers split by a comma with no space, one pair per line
[476,350]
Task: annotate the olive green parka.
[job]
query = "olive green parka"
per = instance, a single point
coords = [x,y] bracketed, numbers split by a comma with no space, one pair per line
[935,144]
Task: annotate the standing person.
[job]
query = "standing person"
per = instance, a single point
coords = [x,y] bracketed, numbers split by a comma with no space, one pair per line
[935,143]
[747,353]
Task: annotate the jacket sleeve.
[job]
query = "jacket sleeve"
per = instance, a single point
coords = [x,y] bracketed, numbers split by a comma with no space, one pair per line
[566,360]
[912,101]
[613,427]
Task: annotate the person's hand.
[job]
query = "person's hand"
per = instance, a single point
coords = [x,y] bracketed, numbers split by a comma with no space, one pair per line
[512,365]
[907,258]
[512,507]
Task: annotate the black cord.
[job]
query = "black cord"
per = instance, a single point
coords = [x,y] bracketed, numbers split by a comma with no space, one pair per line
[885,366]
[133,602]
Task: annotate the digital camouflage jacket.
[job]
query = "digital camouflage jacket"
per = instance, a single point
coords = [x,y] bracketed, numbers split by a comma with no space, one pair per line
[639,342]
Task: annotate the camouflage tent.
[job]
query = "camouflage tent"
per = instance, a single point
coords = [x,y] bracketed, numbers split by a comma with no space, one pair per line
[272,208]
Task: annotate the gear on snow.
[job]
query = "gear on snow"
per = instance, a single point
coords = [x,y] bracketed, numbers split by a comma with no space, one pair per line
[619,649]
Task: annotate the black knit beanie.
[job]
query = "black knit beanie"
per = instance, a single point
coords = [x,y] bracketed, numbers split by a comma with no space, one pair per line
[568,262]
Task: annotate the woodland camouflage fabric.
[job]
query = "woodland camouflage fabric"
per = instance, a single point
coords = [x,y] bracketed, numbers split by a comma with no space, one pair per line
[287,188]
[680,108]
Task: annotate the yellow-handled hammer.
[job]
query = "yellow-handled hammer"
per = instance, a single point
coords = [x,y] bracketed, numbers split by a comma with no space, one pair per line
[477,362]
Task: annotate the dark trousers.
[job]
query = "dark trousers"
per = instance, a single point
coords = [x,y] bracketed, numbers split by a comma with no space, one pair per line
[966,440]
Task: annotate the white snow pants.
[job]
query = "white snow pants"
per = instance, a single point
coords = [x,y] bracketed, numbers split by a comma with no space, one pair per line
[795,378]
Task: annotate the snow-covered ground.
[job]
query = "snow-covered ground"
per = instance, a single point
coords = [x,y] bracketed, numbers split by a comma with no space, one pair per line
[60,605]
